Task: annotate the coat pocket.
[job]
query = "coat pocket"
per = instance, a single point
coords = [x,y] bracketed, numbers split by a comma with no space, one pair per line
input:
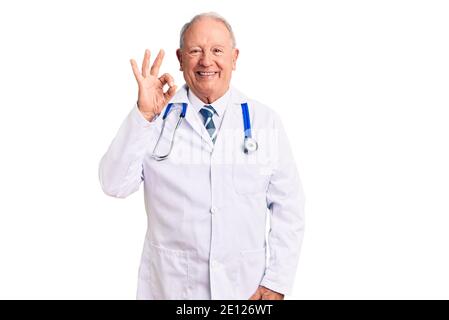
[168,273]
[250,178]
[252,270]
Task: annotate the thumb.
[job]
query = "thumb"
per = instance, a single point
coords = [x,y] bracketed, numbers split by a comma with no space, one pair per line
[170,92]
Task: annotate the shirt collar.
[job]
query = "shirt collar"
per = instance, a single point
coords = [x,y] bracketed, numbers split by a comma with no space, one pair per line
[219,104]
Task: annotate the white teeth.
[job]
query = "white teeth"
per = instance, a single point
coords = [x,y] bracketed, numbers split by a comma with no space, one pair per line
[206,73]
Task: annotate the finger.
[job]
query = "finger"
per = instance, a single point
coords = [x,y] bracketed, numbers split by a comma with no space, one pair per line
[136,72]
[146,62]
[267,296]
[170,93]
[157,63]
[167,79]
[256,296]
[271,296]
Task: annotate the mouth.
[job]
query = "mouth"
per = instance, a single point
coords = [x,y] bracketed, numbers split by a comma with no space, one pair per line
[206,74]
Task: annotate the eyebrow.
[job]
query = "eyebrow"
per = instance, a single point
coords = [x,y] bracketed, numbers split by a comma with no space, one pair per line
[198,46]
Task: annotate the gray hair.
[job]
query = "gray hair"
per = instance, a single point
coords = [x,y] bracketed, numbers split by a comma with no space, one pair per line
[212,15]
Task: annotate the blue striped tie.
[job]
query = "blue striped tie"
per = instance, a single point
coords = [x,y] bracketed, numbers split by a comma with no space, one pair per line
[207,112]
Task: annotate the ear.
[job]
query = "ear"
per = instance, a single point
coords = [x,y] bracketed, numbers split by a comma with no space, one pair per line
[179,55]
[235,55]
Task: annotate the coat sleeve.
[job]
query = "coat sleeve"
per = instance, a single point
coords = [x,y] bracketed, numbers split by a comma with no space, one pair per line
[285,201]
[121,168]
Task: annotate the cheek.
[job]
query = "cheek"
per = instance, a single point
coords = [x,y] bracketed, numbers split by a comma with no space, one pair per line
[227,67]
[189,64]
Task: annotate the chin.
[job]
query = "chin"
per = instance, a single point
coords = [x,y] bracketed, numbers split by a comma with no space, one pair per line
[206,89]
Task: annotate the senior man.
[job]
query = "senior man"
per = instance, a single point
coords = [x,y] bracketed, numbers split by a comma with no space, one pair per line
[223,198]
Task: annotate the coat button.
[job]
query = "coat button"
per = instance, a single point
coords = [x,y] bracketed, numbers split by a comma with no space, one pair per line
[213,210]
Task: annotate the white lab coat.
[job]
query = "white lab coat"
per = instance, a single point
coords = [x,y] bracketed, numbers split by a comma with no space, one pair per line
[207,205]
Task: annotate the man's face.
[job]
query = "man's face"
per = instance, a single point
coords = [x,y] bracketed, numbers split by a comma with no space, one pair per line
[207,58]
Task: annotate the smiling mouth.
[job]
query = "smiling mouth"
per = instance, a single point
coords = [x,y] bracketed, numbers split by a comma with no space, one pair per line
[206,74]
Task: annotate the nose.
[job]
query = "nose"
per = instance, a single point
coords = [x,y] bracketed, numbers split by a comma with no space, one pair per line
[206,59]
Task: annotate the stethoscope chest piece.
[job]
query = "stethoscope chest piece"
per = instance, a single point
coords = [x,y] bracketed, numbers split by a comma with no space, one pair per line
[249,145]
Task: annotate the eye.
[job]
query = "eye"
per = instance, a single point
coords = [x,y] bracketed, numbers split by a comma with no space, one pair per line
[217,51]
[195,51]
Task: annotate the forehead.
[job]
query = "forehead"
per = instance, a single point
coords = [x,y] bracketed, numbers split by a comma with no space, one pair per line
[207,31]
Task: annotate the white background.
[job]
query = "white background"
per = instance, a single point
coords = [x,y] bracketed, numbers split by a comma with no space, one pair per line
[362,88]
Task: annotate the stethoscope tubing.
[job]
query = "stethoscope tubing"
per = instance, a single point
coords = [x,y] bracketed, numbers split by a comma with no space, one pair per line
[249,144]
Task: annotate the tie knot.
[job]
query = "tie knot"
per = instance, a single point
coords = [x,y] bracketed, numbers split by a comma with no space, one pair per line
[207,111]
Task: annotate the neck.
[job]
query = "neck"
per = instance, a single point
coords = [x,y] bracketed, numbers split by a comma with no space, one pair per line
[209,98]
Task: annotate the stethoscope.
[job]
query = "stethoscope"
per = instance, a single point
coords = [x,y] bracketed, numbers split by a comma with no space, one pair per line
[249,144]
